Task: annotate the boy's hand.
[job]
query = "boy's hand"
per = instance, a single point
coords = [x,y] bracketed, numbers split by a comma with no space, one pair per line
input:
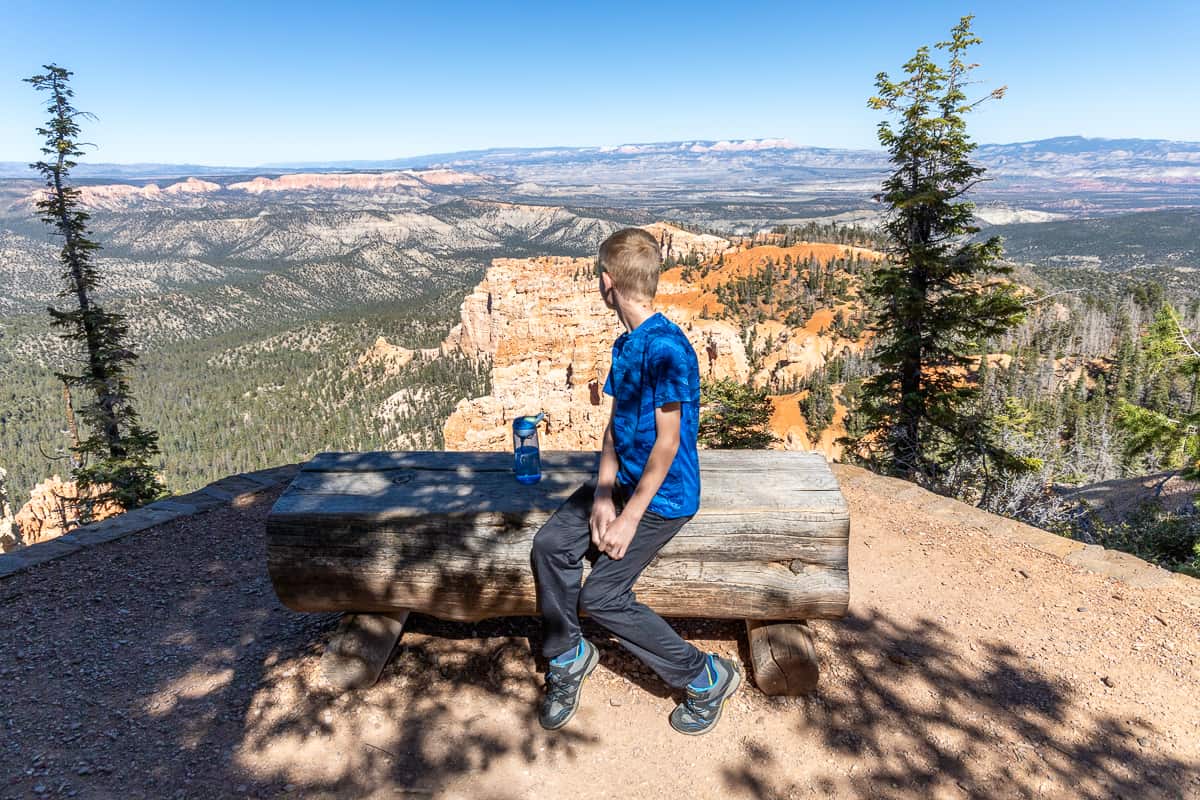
[617,536]
[603,513]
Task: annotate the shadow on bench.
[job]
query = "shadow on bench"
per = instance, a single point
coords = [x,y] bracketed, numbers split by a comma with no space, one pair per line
[448,534]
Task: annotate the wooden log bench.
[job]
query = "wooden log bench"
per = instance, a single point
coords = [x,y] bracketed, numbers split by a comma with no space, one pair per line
[448,534]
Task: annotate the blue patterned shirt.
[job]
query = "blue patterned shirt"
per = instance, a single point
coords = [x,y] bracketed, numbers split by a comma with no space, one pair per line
[652,365]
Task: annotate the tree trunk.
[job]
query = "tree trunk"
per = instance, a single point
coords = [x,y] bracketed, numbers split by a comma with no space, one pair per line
[97,371]
[69,409]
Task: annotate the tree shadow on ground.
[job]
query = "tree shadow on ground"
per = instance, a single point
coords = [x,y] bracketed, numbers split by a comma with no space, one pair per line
[929,720]
[423,726]
[166,667]
[162,665]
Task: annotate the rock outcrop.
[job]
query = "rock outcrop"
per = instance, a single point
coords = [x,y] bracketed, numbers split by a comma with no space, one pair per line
[392,357]
[8,525]
[679,243]
[788,423]
[796,352]
[54,508]
[549,337]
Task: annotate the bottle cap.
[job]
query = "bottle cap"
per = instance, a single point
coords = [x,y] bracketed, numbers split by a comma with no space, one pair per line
[527,424]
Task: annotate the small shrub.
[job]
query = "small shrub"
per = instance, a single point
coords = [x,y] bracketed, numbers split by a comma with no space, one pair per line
[1168,539]
[734,415]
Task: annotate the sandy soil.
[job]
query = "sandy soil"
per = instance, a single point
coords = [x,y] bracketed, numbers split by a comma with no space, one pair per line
[971,665]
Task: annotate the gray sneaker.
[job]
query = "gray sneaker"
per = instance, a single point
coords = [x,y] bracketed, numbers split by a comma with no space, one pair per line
[700,710]
[563,684]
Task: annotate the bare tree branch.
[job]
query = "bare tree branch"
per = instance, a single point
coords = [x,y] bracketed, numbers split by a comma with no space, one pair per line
[1044,298]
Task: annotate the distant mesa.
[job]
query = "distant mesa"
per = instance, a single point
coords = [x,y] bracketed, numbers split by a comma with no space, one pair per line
[448,177]
[1048,165]
[116,195]
[309,181]
[744,146]
[1044,175]
[192,186]
[357,181]
[723,146]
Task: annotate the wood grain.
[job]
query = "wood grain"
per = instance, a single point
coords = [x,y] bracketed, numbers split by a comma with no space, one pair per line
[783,657]
[449,534]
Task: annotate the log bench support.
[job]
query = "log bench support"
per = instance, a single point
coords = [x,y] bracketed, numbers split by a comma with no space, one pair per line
[374,535]
[783,657]
[360,649]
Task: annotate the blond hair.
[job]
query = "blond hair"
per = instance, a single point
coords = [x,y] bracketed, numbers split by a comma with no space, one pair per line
[633,258]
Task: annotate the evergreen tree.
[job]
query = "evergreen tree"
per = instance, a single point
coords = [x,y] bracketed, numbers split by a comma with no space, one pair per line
[114,458]
[1125,370]
[817,406]
[1172,437]
[941,297]
[734,415]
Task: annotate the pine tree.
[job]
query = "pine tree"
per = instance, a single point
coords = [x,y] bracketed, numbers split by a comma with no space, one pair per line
[941,296]
[1172,437]
[817,406]
[734,415]
[114,457]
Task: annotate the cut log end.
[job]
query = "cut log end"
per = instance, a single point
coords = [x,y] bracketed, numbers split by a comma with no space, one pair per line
[360,649]
[783,657]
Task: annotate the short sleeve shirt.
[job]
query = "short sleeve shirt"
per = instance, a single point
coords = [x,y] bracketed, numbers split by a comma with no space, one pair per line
[652,365]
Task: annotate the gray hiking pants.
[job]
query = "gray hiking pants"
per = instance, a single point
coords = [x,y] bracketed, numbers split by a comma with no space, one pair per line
[607,596]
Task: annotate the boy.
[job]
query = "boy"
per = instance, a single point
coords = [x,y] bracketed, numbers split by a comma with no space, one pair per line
[648,486]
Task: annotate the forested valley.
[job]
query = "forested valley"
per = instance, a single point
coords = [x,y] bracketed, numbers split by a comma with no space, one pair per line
[1074,390]
[256,398]
[1059,388]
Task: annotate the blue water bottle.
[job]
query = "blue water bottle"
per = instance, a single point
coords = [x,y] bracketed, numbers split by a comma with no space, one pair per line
[527,462]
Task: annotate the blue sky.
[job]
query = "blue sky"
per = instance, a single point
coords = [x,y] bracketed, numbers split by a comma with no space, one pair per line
[245,83]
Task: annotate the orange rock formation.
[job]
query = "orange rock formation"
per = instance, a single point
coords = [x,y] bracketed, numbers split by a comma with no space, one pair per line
[8,531]
[550,339]
[549,336]
[788,423]
[54,508]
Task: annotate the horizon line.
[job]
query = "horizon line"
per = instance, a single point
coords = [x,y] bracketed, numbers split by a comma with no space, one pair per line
[777,143]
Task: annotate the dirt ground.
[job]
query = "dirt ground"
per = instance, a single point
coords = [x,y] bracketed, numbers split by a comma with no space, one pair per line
[971,665]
